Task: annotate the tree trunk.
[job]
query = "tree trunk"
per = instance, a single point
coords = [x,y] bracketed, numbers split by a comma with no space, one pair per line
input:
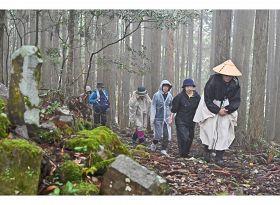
[222,35]
[77,69]
[136,79]
[125,81]
[109,72]
[271,78]
[199,64]
[2,25]
[276,86]
[70,29]
[213,37]
[170,56]
[177,63]
[155,58]
[147,60]
[183,60]
[241,49]
[190,48]
[45,79]
[256,111]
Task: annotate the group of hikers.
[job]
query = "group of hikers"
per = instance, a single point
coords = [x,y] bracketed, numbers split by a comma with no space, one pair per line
[215,112]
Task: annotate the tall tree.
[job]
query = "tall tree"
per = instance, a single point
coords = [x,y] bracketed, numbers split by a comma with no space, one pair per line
[136,79]
[183,66]
[2,31]
[256,111]
[190,48]
[126,79]
[222,35]
[70,29]
[241,47]
[199,54]
[177,61]
[170,55]
[275,97]
[155,58]
[270,76]
[213,35]
[109,70]
[147,60]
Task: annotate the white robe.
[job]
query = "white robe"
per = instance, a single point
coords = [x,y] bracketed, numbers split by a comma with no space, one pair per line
[215,131]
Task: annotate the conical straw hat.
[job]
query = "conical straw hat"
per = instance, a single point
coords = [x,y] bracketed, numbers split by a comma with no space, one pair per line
[227,68]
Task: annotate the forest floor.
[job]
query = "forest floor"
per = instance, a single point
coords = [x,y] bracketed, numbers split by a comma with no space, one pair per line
[244,173]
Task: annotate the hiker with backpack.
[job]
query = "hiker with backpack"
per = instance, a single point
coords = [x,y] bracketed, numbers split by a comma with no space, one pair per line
[99,99]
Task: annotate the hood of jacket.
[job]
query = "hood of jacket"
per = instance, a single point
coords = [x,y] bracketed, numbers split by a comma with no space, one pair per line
[165,82]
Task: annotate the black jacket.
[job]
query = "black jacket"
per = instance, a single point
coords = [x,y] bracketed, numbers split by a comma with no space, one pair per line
[185,107]
[217,89]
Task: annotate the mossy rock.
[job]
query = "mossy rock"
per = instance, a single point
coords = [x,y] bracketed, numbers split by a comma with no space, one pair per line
[101,166]
[42,135]
[20,167]
[70,171]
[2,105]
[80,188]
[142,147]
[4,121]
[101,143]
[140,153]
[4,125]
[83,124]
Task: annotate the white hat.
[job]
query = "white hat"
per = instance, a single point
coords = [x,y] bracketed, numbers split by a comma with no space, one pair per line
[88,88]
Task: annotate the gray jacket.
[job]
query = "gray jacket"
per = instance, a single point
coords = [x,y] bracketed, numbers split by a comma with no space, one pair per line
[160,111]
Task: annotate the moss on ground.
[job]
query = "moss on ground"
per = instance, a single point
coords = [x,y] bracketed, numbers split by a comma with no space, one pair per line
[20,167]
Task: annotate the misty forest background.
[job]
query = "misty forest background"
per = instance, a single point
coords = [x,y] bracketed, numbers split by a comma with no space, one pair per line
[128,48]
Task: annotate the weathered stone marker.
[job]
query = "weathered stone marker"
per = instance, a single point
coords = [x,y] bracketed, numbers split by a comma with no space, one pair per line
[23,91]
[126,177]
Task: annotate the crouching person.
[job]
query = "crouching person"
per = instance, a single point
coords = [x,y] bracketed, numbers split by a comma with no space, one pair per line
[139,110]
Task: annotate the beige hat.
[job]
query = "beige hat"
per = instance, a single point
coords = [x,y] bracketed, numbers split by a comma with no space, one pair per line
[227,68]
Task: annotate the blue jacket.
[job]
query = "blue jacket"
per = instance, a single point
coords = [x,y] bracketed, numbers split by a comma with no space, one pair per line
[95,100]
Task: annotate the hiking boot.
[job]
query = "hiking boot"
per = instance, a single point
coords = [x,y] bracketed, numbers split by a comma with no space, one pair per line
[153,147]
[164,153]
[206,154]
[219,158]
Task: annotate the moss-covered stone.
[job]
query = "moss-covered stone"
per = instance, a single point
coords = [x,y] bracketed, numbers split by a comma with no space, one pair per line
[42,135]
[102,165]
[101,143]
[2,105]
[83,125]
[81,188]
[85,188]
[140,153]
[20,167]
[70,171]
[141,147]
[4,124]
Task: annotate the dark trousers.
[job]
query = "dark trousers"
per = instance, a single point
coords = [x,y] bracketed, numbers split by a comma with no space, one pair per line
[100,118]
[185,135]
[164,140]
